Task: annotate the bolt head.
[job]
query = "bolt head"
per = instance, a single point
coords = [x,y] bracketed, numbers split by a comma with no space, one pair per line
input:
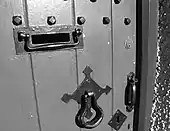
[106,20]
[117,1]
[51,20]
[81,20]
[127,21]
[17,20]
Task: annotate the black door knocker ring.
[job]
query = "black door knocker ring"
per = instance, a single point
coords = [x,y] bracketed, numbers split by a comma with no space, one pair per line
[80,117]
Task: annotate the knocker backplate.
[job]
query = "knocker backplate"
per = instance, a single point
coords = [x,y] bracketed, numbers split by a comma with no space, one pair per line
[88,84]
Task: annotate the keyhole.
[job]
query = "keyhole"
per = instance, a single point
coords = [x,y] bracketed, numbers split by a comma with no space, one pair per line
[128,126]
[118,119]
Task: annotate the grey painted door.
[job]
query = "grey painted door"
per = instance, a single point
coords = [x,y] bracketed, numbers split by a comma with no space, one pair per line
[31,89]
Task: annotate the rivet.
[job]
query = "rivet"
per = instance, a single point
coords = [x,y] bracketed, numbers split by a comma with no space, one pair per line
[106,20]
[17,20]
[117,1]
[81,20]
[127,21]
[51,20]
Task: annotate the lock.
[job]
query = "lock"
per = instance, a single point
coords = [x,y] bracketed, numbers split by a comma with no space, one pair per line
[42,38]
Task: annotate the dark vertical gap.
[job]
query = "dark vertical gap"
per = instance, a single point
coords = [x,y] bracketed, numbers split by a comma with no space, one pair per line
[142,35]
[138,61]
[112,54]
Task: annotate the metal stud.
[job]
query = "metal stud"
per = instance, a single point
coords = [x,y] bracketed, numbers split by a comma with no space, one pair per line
[81,20]
[17,20]
[51,20]
[117,1]
[106,20]
[127,21]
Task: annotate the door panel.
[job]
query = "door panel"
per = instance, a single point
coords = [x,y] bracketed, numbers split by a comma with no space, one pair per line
[17,104]
[55,71]
[97,51]
[124,57]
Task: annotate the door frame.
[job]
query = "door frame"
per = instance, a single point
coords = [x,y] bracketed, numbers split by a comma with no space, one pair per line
[146,52]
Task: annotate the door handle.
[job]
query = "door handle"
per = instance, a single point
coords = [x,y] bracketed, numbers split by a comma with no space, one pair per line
[40,47]
[130,92]
[44,39]
[79,119]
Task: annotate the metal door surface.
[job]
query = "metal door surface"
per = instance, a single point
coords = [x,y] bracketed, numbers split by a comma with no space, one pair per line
[32,85]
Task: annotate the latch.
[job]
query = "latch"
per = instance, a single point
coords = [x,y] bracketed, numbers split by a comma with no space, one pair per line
[43,38]
[130,92]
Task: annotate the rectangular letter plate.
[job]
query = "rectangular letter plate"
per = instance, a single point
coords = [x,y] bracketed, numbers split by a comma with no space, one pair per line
[43,38]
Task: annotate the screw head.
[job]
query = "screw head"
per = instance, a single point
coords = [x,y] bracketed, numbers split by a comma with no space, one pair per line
[106,20]
[17,20]
[81,20]
[127,21]
[51,20]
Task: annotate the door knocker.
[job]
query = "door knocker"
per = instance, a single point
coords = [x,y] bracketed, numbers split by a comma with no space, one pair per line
[80,117]
[87,91]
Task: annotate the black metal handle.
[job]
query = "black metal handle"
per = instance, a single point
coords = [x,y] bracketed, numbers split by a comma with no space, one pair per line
[22,36]
[79,119]
[130,92]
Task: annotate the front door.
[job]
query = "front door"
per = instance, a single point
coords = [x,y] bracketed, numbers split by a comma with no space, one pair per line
[53,51]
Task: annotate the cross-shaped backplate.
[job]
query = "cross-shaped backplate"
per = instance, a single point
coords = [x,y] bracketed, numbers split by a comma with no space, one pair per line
[88,84]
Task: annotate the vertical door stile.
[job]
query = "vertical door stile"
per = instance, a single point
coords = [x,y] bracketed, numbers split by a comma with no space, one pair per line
[123,53]
[26,19]
[96,53]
